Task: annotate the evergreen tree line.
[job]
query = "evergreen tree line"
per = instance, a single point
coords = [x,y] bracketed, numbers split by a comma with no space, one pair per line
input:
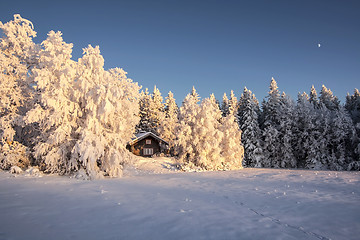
[315,132]
[198,133]
[67,116]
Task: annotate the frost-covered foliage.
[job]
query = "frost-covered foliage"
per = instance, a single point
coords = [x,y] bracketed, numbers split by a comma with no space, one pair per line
[65,116]
[233,103]
[231,146]
[18,55]
[109,106]
[352,105]
[271,126]
[157,114]
[170,122]
[206,140]
[14,154]
[313,99]
[247,117]
[187,124]
[57,111]
[229,106]
[287,125]
[144,108]
[86,114]
[328,99]
[308,146]
[225,105]
[342,139]
[278,128]
[151,111]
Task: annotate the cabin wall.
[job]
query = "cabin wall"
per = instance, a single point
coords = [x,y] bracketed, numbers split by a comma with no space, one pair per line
[138,147]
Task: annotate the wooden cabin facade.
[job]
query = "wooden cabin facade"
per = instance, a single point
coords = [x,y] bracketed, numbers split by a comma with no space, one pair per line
[147,144]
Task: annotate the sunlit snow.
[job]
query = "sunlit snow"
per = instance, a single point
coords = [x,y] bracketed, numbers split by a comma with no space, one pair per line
[154,201]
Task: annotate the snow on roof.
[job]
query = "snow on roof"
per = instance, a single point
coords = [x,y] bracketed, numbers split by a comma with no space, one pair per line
[142,135]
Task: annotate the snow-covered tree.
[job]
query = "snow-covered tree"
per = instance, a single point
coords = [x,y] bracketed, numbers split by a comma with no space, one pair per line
[225,105]
[287,158]
[314,133]
[151,111]
[204,139]
[207,137]
[109,103]
[328,99]
[144,105]
[314,98]
[247,118]
[271,147]
[342,138]
[157,110]
[86,114]
[306,134]
[57,111]
[271,106]
[232,150]
[353,106]
[233,103]
[185,129]
[169,124]
[271,125]
[18,55]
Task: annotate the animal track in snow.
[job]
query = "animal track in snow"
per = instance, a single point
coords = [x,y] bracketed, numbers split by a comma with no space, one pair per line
[279,222]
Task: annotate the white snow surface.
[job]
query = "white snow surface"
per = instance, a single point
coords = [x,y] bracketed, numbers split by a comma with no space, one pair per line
[154,201]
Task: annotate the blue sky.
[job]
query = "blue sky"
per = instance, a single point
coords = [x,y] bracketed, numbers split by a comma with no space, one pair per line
[214,45]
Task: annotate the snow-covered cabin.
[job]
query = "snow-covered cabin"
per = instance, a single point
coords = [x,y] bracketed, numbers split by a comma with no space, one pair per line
[147,144]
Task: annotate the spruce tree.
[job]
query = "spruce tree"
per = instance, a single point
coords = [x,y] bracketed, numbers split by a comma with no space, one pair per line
[233,103]
[156,111]
[232,150]
[225,105]
[342,140]
[287,158]
[247,118]
[144,113]
[328,99]
[271,126]
[205,140]
[207,135]
[168,126]
[353,107]
[184,144]
[314,98]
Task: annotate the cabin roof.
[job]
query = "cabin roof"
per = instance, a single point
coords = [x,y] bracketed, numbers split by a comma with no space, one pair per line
[140,136]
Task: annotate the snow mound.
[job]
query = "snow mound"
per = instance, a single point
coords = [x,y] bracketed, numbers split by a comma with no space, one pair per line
[152,165]
[33,172]
[16,170]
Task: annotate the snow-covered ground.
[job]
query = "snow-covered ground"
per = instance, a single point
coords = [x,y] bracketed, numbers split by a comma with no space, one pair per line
[154,201]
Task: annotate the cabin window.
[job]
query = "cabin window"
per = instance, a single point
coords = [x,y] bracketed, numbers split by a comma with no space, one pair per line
[148,151]
[148,141]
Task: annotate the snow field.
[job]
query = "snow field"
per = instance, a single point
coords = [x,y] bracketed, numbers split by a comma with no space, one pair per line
[244,204]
